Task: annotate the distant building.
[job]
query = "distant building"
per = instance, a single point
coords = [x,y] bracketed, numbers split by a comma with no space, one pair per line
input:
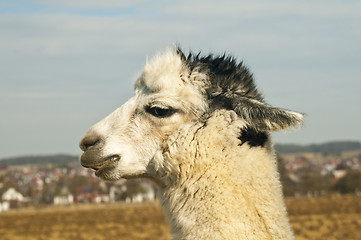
[64,200]
[12,195]
[4,206]
[11,199]
[338,174]
[64,197]
[132,191]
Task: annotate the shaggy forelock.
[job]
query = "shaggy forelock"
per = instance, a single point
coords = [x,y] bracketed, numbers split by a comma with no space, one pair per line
[226,76]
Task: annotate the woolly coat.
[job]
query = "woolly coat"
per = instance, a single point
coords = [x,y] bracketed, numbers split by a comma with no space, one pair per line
[219,187]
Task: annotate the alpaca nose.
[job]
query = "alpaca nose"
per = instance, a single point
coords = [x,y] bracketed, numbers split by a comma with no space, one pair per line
[89,141]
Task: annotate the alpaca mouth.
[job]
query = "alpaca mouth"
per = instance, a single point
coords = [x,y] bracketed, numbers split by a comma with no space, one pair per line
[106,162]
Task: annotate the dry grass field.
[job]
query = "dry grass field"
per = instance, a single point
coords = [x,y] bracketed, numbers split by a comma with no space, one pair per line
[86,222]
[315,218]
[331,218]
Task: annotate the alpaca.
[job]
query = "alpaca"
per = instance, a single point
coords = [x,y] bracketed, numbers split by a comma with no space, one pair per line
[198,127]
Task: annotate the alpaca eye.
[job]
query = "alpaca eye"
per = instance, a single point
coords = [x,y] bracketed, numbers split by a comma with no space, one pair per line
[160,112]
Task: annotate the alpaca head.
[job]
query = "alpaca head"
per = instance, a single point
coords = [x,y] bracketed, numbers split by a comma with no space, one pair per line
[173,93]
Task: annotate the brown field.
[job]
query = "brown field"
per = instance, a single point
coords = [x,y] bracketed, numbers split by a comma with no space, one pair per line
[331,218]
[315,218]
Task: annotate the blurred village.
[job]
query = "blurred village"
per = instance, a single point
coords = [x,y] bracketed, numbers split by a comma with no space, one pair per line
[65,184]
[38,184]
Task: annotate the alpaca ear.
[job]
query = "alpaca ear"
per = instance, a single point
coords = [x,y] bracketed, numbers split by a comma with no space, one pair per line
[265,118]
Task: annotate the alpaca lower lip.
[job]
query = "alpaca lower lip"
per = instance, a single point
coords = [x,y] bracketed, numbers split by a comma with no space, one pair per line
[107,165]
[107,161]
[104,163]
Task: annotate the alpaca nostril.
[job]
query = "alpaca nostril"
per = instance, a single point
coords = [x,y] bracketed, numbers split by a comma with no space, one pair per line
[88,141]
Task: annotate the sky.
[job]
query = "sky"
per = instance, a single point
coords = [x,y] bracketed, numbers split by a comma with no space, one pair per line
[64,64]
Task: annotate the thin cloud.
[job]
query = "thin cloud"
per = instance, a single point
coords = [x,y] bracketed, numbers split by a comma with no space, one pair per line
[265,9]
[39,95]
[89,4]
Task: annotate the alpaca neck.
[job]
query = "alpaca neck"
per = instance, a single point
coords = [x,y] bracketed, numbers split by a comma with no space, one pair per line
[228,199]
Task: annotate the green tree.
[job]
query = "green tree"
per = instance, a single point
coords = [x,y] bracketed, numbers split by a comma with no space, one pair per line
[288,186]
[350,183]
[311,181]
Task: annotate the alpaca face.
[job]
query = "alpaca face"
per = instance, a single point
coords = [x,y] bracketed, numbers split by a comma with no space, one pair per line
[173,93]
[124,143]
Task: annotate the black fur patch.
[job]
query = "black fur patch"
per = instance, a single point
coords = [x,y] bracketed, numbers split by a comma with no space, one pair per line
[226,76]
[253,138]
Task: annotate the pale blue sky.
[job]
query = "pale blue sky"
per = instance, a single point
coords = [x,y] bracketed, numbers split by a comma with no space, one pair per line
[66,64]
